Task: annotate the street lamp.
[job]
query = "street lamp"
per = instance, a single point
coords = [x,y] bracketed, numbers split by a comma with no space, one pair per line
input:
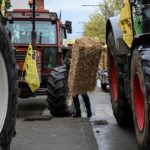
[80,32]
[82,22]
[89,5]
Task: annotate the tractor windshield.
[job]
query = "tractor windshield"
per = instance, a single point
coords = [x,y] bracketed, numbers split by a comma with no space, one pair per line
[21,32]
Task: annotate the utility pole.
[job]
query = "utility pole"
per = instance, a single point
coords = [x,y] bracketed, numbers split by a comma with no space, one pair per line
[33,27]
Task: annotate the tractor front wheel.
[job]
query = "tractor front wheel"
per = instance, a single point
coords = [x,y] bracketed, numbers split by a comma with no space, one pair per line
[59,101]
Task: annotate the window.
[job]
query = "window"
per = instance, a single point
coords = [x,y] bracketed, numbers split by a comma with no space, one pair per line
[21,32]
[50,57]
[63,34]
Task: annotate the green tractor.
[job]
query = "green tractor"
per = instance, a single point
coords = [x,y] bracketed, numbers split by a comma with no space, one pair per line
[129,70]
[8,83]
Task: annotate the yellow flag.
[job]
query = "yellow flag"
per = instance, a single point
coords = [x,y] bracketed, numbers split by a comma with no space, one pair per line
[126,24]
[31,73]
[3,7]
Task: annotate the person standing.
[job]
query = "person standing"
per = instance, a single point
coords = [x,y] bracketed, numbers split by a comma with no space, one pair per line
[76,97]
[77,105]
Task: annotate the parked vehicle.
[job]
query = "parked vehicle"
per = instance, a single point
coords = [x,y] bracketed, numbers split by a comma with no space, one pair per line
[103,69]
[103,77]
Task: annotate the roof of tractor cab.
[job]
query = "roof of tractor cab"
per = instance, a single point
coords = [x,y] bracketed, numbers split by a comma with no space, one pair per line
[27,13]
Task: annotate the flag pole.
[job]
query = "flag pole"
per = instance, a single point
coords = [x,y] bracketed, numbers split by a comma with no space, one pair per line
[33,28]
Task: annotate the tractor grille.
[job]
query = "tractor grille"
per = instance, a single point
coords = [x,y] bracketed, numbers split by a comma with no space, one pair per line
[20,56]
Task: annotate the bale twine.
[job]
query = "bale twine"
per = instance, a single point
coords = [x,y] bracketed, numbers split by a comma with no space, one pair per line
[84,65]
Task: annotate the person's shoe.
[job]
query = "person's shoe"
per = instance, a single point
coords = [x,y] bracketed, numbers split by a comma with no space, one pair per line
[76,115]
[89,115]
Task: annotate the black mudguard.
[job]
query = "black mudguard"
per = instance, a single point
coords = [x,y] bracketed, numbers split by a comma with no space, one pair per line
[113,25]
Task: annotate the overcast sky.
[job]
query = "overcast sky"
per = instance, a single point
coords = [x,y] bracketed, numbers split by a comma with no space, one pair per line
[70,10]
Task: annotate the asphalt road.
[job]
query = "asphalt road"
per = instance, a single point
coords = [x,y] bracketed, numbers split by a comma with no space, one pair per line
[36,130]
[108,134]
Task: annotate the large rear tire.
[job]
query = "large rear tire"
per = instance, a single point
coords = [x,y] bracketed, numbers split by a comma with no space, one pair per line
[140,95]
[8,89]
[57,98]
[119,102]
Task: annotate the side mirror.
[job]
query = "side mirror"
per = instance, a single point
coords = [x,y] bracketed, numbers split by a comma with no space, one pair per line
[68,25]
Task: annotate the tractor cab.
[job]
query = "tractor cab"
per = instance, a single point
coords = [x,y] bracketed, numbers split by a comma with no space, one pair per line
[47,35]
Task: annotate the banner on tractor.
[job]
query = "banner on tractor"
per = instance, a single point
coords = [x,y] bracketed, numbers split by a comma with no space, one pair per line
[30,67]
[3,7]
[125,23]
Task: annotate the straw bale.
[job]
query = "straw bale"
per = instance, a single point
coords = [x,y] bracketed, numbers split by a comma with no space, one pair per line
[84,65]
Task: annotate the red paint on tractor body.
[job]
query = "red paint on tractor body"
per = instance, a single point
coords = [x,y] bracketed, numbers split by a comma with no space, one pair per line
[113,78]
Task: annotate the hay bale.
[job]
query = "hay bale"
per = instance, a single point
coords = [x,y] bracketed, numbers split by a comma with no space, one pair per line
[103,64]
[84,65]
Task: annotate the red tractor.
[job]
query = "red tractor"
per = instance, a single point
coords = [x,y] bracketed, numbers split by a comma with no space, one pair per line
[50,33]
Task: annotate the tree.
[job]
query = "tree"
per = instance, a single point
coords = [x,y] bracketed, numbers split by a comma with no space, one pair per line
[96,26]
